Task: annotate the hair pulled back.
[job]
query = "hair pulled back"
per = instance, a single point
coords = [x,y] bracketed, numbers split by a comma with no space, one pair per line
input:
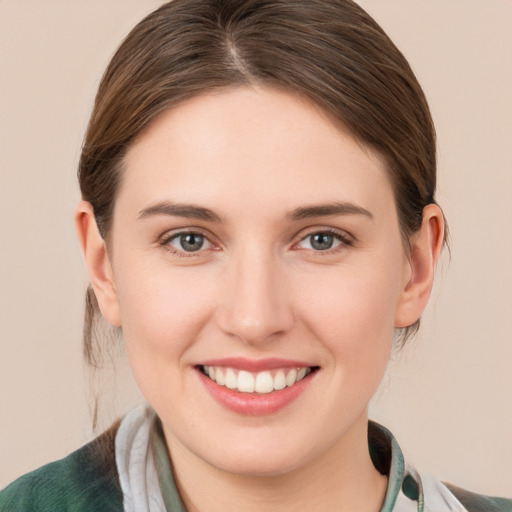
[329,51]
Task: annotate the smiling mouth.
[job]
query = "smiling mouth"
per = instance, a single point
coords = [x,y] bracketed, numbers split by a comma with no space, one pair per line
[258,382]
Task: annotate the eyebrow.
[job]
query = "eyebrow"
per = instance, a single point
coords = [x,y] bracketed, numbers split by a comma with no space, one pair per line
[189,211]
[192,211]
[320,210]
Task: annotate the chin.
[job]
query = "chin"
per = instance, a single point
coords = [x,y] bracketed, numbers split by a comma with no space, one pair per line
[262,458]
[260,466]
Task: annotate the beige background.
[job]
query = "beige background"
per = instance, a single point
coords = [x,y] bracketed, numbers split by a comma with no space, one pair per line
[447,398]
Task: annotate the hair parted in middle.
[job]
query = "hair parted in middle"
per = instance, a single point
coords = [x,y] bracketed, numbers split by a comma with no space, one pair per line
[330,52]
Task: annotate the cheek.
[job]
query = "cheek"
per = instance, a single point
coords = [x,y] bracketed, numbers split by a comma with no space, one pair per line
[163,313]
[354,315]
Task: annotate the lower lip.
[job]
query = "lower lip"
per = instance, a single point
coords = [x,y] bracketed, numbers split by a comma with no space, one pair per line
[255,404]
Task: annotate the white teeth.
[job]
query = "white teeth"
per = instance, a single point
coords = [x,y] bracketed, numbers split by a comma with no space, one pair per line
[264,383]
[219,377]
[261,382]
[231,380]
[245,382]
[301,374]
[291,378]
[279,380]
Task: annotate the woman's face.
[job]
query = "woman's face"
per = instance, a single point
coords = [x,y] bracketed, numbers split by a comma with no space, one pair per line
[258,269]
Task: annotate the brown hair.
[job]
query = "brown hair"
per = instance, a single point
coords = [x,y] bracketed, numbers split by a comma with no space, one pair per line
[329,51]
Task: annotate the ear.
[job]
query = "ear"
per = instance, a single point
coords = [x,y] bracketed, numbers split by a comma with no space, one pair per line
[425,247]
[97,261]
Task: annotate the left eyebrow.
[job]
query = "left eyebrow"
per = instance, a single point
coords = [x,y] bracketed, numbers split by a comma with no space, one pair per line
[189,211]
[320,210]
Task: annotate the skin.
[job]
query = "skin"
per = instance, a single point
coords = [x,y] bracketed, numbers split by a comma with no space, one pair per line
[257,289]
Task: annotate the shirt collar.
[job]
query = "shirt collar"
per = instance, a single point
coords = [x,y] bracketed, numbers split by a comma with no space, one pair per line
[385,453]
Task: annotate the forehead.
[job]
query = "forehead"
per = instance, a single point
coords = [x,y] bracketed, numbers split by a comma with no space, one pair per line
[250,145]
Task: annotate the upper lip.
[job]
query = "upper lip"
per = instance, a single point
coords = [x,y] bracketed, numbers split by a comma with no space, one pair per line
[255,365]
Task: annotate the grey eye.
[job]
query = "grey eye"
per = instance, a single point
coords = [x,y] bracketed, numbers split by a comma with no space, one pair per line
[188,242]
[321,241]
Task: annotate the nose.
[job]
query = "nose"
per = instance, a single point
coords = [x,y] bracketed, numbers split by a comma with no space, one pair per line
[255,304]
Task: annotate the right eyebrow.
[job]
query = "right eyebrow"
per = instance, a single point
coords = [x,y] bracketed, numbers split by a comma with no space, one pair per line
[189,211]
[321,210]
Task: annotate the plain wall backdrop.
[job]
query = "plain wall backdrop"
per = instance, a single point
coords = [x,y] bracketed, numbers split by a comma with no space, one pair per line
[447,397]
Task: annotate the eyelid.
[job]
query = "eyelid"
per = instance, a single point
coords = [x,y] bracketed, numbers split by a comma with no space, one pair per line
[343,236]
[170,235]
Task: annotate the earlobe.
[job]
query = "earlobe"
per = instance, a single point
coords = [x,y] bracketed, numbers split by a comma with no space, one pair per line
[425,247]
[97,261]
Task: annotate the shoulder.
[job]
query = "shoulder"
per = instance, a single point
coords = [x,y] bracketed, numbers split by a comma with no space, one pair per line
[442,496]
[85,480]
[478,502]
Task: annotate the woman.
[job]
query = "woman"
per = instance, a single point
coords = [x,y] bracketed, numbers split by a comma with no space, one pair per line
[258,217]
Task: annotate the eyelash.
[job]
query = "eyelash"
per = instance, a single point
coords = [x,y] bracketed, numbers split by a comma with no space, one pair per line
[344,238]
[167,238]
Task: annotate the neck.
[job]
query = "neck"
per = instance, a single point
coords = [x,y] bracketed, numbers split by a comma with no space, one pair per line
[342,479]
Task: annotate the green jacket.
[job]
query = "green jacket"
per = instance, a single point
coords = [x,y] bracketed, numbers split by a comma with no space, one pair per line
[88,480]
